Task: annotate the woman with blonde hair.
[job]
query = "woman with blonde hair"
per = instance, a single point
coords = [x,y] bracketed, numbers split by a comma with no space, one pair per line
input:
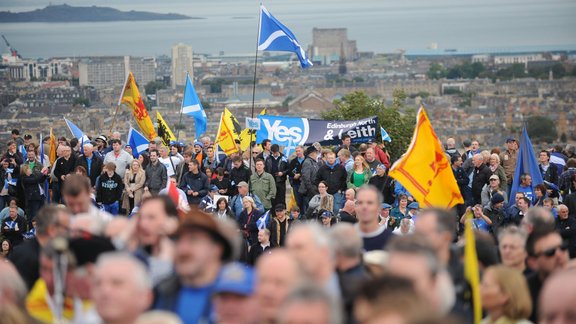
[360,173]
[247,220]
[497,169]
[133,186]
[505,296]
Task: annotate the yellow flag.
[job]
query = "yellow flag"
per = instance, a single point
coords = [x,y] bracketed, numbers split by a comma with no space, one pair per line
[292,201]
[248,136]
[131,97]
[471,269]
[228,132]
[164,131]
[424,170]
[52,150]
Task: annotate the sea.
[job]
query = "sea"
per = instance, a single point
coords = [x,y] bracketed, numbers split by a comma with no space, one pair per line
[229,27]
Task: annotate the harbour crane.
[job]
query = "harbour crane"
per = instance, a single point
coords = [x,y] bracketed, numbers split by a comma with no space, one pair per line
[13,51]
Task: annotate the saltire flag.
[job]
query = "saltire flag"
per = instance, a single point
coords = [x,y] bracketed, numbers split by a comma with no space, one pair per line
[289,148]
[78,133]
[248,136]
[45,186]
[424,170]
[164,131]
[471,268]
[385,136]
[274,36]
[131,97]
[138,142]
[526,163]
[192,107]
[53,144]
[181,202]
[262,222]
[228,131]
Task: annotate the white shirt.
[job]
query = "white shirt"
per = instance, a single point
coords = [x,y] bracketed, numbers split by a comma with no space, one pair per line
[170,170]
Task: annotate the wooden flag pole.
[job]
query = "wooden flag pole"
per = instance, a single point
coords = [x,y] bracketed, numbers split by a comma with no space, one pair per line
[118,105]
[254,88]
[181,106]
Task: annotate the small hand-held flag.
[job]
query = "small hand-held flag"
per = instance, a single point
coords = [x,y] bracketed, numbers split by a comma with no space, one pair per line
[424,170]
[471,268]
[274,36]
[385,136]
[262,222]
[164,131]
[138,142]
[192,107]
[45,186]
[131,97]
[247,136]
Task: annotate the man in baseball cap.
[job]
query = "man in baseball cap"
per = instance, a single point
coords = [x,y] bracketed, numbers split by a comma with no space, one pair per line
[233,295]
[236,202]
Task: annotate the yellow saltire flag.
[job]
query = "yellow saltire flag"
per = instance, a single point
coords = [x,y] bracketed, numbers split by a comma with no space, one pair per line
[248,136]
[52,150]
[228,132]
[164,131]
[424,170]
[132,98]
[471,269]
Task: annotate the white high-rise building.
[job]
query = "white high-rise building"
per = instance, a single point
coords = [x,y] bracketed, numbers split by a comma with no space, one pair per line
[181,64]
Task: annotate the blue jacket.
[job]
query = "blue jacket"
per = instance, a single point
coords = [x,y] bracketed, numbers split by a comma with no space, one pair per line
[195,182]
[236,204]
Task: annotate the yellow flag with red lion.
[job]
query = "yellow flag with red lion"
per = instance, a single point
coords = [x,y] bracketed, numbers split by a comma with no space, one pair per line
[131,97]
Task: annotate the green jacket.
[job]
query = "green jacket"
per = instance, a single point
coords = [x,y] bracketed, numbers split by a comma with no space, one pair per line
[264,187]
[367,176]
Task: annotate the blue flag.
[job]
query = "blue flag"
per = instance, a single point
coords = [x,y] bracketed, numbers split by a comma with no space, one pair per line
[192,107]
[22,150]
[385,136]
[138,142]
[76,132]
[274,36]
[45,187]
[526,163]
[262,222]
[289,148]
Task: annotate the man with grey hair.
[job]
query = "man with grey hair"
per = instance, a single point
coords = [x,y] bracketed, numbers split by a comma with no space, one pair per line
[413,258]
[351,271]
[12,287]
[122,288]
[566,226]
[91,163]
[537,218]
[512,247]
[311,245]
[310,304]
[451,148]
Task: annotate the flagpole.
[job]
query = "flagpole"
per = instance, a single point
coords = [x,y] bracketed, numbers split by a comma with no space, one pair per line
[119,103]
[254,85]
[181,106]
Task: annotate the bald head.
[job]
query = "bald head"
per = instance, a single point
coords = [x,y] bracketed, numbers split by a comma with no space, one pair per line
[274,286]
[12,287]
[558,298]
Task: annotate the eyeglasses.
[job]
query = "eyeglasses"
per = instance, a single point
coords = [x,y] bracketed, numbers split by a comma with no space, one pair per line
[255,153]
[552,251]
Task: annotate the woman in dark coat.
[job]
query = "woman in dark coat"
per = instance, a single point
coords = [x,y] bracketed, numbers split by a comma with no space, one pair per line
[32,183]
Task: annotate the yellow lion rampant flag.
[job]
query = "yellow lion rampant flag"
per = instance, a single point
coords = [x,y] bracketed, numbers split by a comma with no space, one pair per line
[131,97]
[228,132]
[164,131]
[424,170]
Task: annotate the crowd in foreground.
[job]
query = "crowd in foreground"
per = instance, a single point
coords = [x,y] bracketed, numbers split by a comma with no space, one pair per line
[351,246]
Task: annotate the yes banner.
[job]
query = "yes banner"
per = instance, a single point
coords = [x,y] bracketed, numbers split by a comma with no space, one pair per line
[286,131]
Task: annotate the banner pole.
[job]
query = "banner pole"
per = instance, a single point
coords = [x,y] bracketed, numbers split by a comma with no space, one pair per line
[254,90]
[181,106]
[118,105]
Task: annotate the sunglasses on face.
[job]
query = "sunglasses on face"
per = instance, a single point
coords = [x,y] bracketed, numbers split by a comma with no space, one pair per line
[552,251]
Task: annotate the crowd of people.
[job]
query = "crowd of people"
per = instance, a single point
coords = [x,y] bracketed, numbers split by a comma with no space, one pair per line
[321,235]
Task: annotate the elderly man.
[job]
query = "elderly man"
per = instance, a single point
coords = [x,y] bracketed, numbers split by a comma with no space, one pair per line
[368,206]
[312,247]
[566,226]
[512,247]
[273,287]
[558,298]
[202,247]
[236,202]
[122,289]
[118,156]
[92,163]
[481,176]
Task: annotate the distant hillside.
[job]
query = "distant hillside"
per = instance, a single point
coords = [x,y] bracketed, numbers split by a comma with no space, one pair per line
[66,13]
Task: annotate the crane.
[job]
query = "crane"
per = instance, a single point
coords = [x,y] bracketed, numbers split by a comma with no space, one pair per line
[13,51]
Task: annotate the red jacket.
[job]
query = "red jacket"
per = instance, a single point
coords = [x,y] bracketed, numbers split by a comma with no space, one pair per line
[382,157]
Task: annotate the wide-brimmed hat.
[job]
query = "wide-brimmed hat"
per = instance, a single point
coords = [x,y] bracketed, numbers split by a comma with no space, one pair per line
[196,220]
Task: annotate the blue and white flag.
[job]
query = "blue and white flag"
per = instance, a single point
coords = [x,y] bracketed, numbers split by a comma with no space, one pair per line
[138,142]
[289,148]
[76,132]
[192,107]
[22,150]
[274,36]
[262,222]
[45,186]
[385,136]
